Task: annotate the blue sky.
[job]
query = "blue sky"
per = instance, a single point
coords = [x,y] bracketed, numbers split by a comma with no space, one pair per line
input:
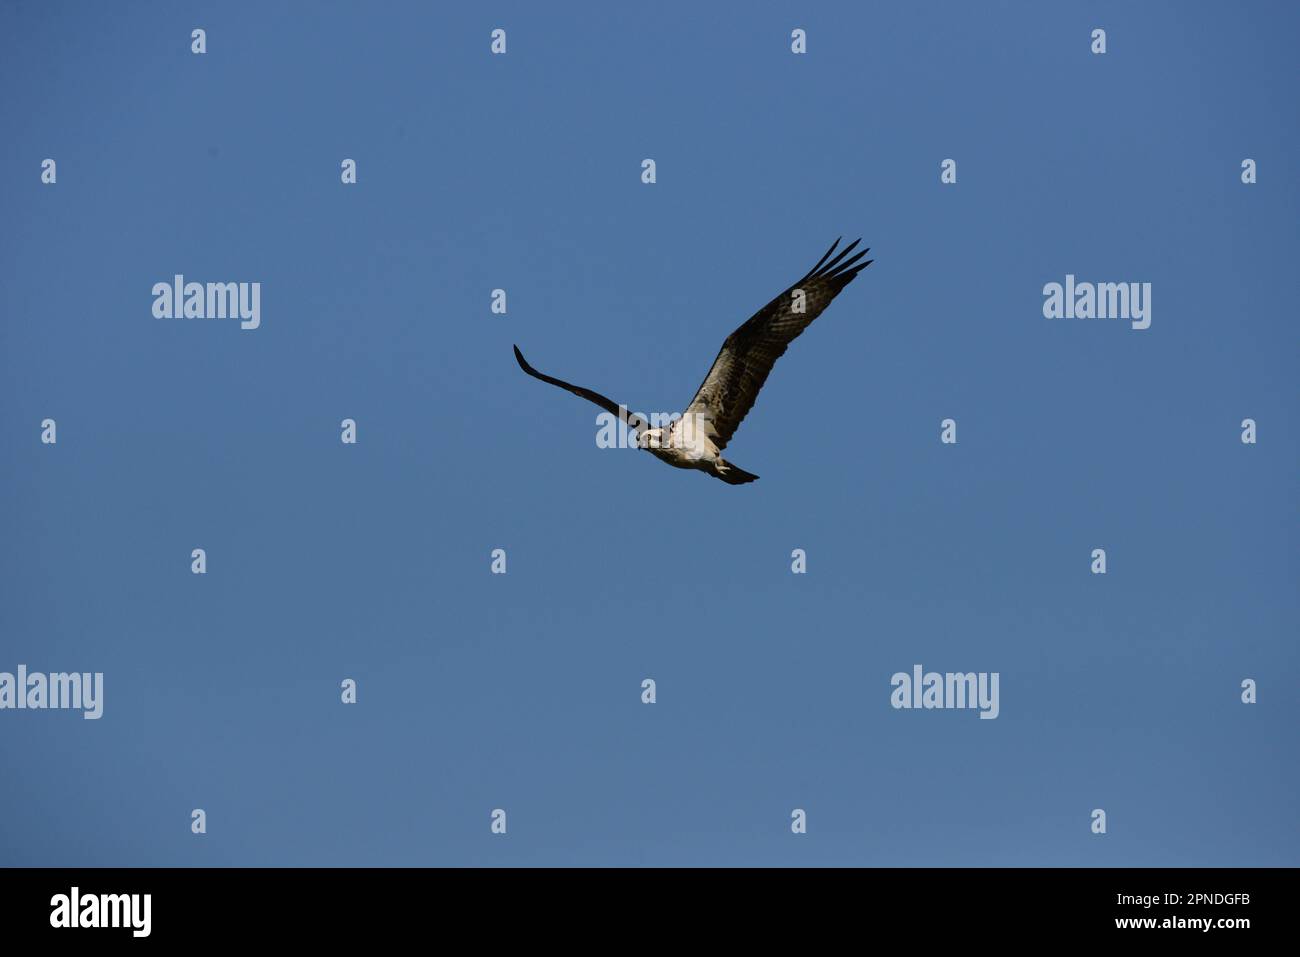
[480,691]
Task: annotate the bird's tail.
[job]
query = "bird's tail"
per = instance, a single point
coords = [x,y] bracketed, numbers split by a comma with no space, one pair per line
[731,474]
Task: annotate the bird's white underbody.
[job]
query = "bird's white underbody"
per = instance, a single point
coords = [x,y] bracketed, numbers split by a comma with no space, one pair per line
[684,446]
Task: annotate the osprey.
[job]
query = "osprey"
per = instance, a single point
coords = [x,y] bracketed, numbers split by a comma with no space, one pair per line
[697,438]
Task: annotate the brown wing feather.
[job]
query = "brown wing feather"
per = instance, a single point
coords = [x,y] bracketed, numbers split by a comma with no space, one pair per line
[728,392]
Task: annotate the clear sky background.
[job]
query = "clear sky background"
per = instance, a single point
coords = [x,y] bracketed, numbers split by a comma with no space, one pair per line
[522,692]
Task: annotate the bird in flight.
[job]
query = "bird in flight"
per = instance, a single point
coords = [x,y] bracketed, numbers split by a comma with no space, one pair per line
[697,438]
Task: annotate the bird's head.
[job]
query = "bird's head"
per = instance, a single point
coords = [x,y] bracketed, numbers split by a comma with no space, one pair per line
[656,438]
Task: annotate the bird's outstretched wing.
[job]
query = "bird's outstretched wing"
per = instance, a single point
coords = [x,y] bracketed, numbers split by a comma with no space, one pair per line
[728,392]
[591,396]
